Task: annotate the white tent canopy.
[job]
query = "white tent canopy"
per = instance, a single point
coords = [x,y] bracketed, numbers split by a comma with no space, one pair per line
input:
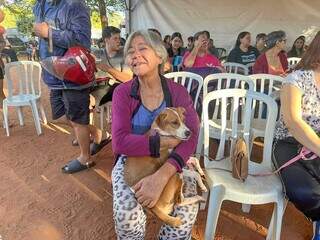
[225,19]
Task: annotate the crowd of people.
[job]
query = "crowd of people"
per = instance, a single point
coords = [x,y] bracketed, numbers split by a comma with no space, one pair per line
[139,91]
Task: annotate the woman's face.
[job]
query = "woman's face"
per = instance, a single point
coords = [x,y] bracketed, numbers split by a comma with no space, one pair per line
[299,44]
[176,43]
[282,44]
[141,58]
[203,39]
[246,40]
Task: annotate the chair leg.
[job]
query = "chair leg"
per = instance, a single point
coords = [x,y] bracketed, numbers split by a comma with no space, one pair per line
[199,149]
[36,118]
[5,117]
[43,113]
[20,116]
[102,108]
[274,230]
[215,202]
[205,195]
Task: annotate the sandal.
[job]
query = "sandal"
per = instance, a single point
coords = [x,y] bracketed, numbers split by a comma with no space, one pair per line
[75,166]
[95,147]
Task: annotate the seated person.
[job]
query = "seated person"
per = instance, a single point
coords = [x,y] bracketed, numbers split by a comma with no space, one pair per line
[176,50]
[297,49]
[199,56]
[110,63]
[299,125]
[261,42]
[243,52]
[136,104]
[273,60]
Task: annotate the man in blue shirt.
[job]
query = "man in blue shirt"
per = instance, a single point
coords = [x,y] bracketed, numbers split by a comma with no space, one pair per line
[61,24]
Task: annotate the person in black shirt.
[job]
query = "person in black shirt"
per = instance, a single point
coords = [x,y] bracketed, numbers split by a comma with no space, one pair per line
[243,52]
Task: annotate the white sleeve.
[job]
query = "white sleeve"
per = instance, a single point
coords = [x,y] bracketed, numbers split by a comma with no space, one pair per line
[295,79]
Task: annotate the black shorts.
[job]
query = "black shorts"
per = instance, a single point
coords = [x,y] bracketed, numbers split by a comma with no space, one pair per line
[72,103]
[1,73]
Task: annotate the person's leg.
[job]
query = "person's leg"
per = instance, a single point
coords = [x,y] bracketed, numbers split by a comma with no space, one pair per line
[128,214]
[82,133]
[187,213]
[302,189]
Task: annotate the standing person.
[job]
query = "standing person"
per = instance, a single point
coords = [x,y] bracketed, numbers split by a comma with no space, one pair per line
[299,125]
[261,42]
[167,41]
[243,52]
[66,23]
[297,49]
[135,106]
[274,60]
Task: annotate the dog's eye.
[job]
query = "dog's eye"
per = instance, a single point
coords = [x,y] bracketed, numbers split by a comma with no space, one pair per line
[175,123]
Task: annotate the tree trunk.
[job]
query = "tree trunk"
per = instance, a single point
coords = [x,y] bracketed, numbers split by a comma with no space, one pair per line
[103,13]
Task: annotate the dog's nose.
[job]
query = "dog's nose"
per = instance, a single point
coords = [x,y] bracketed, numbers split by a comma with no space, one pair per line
[187,133]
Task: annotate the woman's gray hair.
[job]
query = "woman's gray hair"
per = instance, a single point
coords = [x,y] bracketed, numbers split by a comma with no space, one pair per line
[274,37]
[154,41]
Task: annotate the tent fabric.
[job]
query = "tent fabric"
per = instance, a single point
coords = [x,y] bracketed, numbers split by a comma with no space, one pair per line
[225,19]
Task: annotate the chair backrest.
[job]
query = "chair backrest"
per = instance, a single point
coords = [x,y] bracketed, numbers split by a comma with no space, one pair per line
[238,96]
[292,61]
[219,81]
[267,84]
[23,77]
[236,68]
[222,52]
[193,82]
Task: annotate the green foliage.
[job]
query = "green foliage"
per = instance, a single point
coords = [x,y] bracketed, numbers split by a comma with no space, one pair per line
[112,5]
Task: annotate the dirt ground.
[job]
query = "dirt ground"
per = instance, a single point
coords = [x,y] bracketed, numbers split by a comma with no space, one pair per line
[38,202]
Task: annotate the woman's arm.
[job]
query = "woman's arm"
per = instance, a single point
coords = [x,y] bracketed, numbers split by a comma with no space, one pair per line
[189,60]
[291,109]
[123,141]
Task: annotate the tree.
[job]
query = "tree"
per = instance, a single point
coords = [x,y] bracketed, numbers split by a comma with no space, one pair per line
[105,6]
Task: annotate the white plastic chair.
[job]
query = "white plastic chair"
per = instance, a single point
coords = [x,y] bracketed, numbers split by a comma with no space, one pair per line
[24,89]
[293,61]
[192,81]
[238,68]
[269,85]
[220,81]
[255,190]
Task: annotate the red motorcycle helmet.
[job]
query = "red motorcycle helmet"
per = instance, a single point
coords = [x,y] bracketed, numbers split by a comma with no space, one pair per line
[77,65]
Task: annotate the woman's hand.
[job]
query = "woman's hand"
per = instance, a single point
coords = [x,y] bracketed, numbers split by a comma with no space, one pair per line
[149,189]
[169,142]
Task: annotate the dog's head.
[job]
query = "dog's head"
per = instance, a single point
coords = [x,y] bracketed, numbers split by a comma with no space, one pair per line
[170,122]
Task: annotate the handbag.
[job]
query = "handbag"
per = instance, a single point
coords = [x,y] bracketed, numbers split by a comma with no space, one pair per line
[239,159]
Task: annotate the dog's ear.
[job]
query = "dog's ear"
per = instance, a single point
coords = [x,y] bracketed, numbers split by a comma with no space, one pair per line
[181,111]
[161,119]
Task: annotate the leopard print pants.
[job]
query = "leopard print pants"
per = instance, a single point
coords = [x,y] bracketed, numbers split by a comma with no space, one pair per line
[130,218]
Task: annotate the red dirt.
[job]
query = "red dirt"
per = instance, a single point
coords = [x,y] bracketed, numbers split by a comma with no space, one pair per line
[38,202]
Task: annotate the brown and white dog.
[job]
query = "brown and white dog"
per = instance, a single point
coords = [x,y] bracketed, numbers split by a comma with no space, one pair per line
[170,122]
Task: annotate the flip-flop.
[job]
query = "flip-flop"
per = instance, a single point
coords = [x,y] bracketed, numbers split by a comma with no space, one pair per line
[75,166]
[95,147]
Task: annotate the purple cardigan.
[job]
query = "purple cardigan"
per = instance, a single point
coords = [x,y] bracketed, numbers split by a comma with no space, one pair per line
[126,101]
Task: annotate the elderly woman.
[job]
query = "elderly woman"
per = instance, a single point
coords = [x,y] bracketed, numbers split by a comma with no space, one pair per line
[243,52]
[299,125]
[298,47]
[274,60]
[135,105]
[199,55]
